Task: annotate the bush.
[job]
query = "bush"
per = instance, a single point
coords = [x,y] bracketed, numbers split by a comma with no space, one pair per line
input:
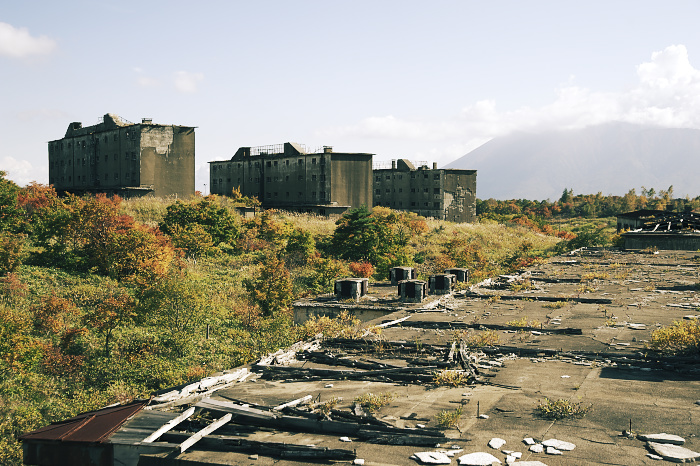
[217,221]
[561,409]
[681,337]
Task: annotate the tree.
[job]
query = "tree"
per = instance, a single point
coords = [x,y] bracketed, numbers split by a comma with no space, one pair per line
[271,290]
[11,218]
[217,221]
[115,309]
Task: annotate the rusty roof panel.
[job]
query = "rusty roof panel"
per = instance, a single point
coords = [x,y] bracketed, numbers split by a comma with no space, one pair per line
[93,426]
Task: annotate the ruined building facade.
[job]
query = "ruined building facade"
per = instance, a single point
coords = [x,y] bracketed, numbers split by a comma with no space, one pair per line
[288,176]
[119,157]
[446,194]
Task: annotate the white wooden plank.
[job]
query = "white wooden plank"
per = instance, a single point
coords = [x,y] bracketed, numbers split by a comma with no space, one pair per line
[298,401]
[207,430]
[168,425]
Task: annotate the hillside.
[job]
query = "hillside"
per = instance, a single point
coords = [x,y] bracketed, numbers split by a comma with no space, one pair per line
[608,158]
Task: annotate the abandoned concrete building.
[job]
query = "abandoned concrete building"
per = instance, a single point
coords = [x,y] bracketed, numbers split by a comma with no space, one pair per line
[116,156]
[660,229]
[289,176]
[445,194]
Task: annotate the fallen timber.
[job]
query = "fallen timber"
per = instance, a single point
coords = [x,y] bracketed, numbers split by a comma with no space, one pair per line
[272,449]
[251,416]
[400,374]
[462,325]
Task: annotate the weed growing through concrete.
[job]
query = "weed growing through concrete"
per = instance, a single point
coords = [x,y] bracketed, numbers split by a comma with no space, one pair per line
[446,419]
[561,409]
[328,406]
[554,305]
[450,378]
[372,402]
[477,339]
[682,337]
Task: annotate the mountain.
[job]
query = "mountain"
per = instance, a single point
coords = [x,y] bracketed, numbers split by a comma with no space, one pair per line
[611,158]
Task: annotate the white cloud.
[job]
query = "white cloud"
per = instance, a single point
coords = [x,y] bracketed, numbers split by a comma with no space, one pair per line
[187,82]
[18,43]
[667,94]
[22,172]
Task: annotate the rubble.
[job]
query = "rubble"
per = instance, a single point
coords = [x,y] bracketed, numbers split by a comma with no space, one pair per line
[662,438]
[478,459]
[674,453]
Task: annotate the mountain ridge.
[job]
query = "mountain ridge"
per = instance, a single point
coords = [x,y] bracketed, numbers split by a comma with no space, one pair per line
[611,158]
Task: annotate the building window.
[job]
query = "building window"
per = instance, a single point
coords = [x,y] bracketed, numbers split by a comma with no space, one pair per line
[275,194]
[436,205]
[425,175]
[388,177]
[401,177]
[301,177]
[400,190]
[116,176]
[286,178]
[378,192]
[388,190]
[300,161]
[126,175]
[436,176]
[313,177]
[275,163]
[287,194]
[268,195]
[323,195]
[377,178]
[313,161]
[323,177]
[213,182]
[425,190]
[301,194]
[413,204]
[268,179]
[413,176]
[115,137]
[425,204]
[286,162]
[313,194]
[413,190]
[436,190]
[269,164]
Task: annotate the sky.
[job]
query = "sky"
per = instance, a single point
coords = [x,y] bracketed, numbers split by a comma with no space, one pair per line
[424,80]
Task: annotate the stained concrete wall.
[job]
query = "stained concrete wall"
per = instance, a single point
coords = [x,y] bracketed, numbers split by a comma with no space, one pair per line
[125,158]
[439,193]
[668,241]
[324,183]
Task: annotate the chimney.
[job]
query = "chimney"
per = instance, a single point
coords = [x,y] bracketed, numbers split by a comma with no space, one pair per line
[434,165]
[146,121]
[327,149]
[393,164]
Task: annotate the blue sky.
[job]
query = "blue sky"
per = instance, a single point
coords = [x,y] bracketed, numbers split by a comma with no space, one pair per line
[424,80]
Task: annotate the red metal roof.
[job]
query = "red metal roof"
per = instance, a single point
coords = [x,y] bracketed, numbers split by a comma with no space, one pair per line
[93,426]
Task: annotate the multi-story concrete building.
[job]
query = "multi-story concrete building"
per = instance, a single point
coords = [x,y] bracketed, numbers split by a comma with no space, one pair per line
[119,157]
[288,176]
[446,194]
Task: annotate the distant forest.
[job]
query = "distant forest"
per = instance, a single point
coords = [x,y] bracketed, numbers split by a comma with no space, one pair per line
[571,205]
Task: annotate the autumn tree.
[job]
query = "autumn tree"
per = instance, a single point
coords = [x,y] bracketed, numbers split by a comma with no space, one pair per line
[215,220]
[116,309]
[271,290]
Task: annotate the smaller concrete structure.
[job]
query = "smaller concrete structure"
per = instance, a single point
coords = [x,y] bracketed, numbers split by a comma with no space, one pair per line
[398,274]
[441,283]
[351,288]
[462,275]
[413,291]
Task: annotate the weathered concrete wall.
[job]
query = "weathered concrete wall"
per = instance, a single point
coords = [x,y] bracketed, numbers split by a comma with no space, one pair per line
[302,312]
[125,158]
[443,194]
[351,179]
[668,241]
[320,182]
[167,154]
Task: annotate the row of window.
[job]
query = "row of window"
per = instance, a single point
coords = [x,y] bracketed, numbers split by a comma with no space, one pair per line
[436,205]
[378,192]
[300,194]
[82,144]
[83,178]
[436,176]
[269,163]
[127,155]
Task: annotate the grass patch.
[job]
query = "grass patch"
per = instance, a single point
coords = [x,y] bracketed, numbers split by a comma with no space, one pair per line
[554,305]
[448,378]
[446,419]
[682,337]
[372,402]
[561,409]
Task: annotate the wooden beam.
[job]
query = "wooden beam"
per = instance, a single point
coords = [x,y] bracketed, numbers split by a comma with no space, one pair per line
[293,403]
[207,430]
[168,425]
